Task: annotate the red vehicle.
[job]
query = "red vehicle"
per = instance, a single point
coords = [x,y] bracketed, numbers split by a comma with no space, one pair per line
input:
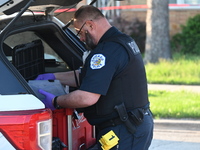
[33,41]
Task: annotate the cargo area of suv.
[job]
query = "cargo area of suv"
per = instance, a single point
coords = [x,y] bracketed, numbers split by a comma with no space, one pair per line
[36,43]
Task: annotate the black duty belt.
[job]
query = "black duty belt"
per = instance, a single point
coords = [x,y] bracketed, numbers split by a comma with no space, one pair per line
[109,123]
[116,121]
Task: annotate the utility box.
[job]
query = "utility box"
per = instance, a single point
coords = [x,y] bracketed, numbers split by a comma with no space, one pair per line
[73,129]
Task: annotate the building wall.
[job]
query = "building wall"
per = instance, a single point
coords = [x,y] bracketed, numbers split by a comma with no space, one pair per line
[176,18]
[180,17]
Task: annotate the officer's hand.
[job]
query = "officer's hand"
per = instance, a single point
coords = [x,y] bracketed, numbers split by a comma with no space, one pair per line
[46,76]
[48,99]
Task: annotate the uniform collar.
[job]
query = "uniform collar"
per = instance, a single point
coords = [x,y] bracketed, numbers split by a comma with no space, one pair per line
[111,32]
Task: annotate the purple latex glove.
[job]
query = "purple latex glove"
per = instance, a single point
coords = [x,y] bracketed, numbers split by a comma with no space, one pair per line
[48,99]
[46,76]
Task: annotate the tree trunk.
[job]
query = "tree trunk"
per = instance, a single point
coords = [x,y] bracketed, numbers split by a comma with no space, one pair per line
[157,31]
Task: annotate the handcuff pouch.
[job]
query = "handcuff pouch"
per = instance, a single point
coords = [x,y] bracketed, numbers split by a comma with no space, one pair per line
[137,116]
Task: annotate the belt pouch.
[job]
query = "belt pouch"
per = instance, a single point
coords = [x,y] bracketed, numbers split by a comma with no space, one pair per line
[137,116]
[121,109]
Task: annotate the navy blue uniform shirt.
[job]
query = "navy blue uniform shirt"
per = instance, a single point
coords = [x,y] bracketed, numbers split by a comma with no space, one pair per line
[103,64]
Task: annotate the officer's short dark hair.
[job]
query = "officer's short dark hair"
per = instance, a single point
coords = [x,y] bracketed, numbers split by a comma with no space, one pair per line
[88,12]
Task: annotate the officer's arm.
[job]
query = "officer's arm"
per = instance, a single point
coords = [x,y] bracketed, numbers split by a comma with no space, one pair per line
[77,99]
[67,78]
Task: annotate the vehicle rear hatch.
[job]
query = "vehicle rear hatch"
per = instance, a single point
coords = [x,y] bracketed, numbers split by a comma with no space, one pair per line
[11,6]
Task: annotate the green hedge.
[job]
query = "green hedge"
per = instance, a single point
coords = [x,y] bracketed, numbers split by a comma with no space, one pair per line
[188,41]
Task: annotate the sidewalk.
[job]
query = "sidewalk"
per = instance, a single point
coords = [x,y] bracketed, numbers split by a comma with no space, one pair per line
[175,134]
[169,87]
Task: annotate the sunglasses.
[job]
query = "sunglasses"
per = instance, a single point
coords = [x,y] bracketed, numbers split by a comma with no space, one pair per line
[80,29]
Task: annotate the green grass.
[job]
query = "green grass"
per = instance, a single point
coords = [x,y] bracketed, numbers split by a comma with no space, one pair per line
[182,69]
[181,104]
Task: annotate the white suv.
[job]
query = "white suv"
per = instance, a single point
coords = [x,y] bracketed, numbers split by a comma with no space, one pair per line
[33,41]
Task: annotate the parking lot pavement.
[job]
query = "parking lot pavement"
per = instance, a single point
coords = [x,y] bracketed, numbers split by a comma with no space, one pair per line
[172,134]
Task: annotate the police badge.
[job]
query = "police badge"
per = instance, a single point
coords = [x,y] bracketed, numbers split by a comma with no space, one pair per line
[97,61]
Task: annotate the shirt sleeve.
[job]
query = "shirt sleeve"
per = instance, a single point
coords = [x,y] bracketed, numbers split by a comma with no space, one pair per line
[102,66]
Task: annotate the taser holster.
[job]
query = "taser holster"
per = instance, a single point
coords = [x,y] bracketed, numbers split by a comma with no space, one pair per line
[121,109]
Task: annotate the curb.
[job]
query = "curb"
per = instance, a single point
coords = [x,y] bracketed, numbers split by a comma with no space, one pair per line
[177,124]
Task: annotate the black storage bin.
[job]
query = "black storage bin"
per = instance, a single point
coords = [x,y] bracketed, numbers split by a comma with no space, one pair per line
[29,59]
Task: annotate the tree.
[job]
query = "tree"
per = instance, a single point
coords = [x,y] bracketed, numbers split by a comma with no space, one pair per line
[157,31]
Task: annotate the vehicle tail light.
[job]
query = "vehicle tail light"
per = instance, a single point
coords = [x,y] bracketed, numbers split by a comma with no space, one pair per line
[45,134]
[27,130]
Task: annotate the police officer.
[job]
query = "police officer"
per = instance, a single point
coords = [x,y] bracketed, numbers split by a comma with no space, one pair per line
[113,90]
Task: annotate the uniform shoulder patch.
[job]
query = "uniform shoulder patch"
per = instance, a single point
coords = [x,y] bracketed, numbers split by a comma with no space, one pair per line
[97,61]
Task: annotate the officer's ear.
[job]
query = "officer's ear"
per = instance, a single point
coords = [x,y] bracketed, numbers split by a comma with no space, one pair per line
[90,24]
